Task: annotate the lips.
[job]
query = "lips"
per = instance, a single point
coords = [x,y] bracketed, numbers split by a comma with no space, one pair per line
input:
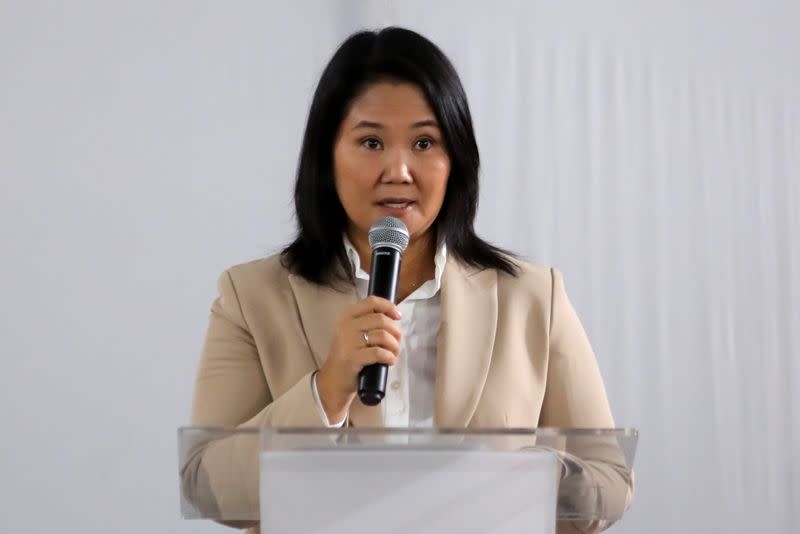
[395,202]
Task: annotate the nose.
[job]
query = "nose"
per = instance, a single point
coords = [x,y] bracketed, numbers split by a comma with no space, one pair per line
[396,169]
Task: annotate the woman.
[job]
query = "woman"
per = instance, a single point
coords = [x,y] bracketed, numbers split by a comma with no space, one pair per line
[478,339]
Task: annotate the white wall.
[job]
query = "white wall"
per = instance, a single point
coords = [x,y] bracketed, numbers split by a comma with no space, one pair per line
[651,151]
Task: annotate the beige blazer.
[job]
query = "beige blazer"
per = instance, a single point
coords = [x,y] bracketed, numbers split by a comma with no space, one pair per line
[511,353]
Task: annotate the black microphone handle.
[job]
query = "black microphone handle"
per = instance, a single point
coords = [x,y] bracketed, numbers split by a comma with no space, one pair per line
[384,273]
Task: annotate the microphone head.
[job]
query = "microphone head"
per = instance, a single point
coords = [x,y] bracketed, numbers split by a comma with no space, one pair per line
[389,232]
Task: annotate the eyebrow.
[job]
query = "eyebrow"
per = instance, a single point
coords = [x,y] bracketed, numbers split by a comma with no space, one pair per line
[379,126]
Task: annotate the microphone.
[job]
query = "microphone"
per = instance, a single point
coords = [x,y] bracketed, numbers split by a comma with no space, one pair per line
[388,238]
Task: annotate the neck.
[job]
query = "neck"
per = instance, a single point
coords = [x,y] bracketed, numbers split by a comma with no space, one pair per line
[417,265]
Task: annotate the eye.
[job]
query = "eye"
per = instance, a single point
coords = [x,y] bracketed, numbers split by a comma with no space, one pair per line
[424,143]
[372,143]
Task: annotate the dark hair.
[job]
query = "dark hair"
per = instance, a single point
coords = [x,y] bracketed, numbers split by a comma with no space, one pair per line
[364,58]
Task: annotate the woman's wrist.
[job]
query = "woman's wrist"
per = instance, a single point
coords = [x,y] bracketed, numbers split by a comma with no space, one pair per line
[335,403]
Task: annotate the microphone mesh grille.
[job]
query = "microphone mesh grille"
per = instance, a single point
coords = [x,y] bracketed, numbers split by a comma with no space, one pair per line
[389,232]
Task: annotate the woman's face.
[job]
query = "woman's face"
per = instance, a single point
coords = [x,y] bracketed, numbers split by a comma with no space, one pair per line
[389,159]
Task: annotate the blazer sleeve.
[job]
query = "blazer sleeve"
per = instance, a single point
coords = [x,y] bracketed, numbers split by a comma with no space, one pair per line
[220,475]
[575,397]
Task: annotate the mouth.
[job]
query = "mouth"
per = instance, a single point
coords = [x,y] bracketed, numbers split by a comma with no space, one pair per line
[396,203]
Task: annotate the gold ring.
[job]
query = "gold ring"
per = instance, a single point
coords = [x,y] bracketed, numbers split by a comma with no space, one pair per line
[366,337]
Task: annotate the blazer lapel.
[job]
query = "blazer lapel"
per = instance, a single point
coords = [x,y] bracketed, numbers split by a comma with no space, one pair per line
[465,341]
[319,306]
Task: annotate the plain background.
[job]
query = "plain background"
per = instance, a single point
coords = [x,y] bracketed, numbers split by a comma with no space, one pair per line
[649,150]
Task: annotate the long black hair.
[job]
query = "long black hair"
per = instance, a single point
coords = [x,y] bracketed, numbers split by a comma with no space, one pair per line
[364,58]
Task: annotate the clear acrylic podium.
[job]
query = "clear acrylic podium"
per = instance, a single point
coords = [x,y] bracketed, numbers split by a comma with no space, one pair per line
[537,481]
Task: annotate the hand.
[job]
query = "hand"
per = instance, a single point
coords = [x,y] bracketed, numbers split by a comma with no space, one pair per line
[337,380]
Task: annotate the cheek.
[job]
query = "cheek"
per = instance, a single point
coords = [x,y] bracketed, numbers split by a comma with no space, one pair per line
[436,184]
[351,195]
[349,174]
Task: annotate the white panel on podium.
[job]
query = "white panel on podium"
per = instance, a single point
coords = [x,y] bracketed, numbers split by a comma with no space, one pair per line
[403,490]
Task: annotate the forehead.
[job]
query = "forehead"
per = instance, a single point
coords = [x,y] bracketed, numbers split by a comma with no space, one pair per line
[391,104]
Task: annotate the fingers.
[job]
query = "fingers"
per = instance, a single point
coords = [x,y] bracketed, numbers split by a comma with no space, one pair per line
[370,355]
[351,352]
[383,339]
[373,304]
[378,321]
